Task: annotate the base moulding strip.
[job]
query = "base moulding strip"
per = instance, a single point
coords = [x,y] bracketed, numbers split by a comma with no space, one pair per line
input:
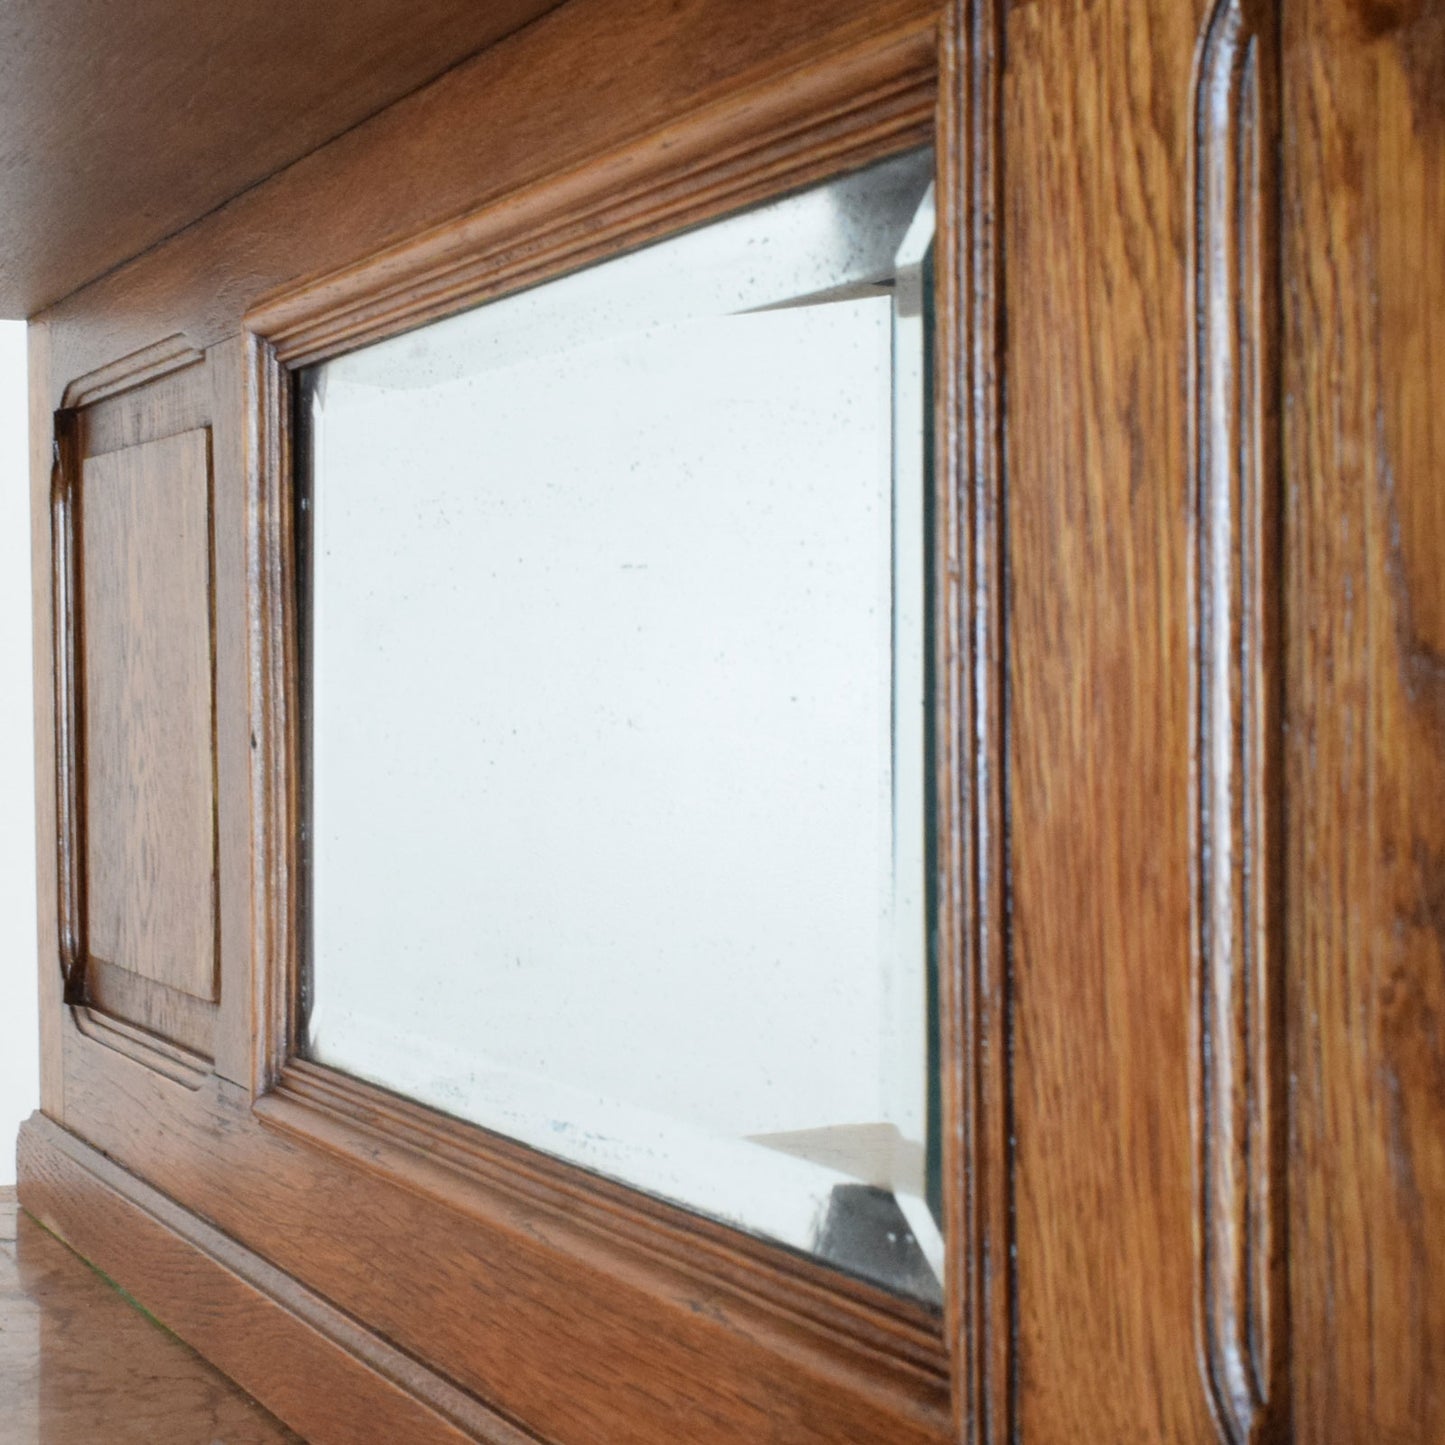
[313,1366]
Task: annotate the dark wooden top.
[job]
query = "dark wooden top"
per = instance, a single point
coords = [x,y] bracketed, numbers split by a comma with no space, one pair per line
[119,124]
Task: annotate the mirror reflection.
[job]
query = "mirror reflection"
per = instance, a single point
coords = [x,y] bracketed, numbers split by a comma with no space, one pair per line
[615,647]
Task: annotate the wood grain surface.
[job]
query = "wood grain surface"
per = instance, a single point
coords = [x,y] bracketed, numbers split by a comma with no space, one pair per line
[975,989]
[332,1378]
[588,77]
[1364,291]
[512,1287]
[124,123]
[135,403]
[1098,119]
[79,1363]
[145,544]
[55,940]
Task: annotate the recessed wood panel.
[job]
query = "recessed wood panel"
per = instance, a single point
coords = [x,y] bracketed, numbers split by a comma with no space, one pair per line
[149,775]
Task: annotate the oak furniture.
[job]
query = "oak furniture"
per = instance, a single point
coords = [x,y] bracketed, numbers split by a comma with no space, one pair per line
[1187,787]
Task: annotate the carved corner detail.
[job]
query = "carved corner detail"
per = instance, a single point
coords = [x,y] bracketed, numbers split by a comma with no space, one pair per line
[70,814]
[1237,674]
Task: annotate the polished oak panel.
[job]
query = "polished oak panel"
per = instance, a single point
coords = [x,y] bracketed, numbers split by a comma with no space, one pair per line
[1098,121]
[1364,297]
[328,1375]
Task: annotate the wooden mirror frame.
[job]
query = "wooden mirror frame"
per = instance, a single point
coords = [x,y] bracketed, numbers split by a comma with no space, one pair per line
[447,1281]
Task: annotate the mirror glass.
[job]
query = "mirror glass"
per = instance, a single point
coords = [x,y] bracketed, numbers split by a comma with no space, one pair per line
[615,649]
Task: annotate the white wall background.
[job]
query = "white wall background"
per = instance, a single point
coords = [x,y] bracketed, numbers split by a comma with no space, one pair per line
[19,1069]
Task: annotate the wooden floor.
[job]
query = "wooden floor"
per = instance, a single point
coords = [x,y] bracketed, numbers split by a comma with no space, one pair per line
[81,1365]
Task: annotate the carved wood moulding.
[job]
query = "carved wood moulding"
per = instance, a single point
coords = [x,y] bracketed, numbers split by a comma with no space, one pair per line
[872,99]
[1238,677]
[972,764]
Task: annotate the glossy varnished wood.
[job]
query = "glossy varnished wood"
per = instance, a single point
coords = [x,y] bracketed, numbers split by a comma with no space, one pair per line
[175,859]
[516,1289]
[1098,119]
[56,902]
[1364,291]
[970,723]
[1238,683]
[80,1364]
[123,124]
[875,98]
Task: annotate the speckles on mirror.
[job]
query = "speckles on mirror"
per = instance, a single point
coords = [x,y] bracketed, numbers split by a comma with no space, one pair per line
[617,667]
